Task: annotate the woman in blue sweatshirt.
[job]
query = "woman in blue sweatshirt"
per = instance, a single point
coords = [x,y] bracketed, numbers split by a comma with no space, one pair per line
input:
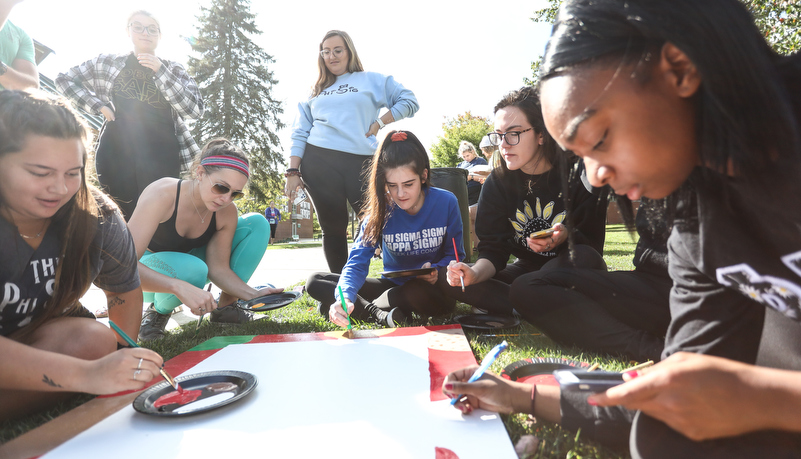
[414,224]
[333,137]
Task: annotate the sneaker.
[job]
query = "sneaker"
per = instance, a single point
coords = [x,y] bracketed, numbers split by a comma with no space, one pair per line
[153,325]
[396,318]
[230,315]
[475,310]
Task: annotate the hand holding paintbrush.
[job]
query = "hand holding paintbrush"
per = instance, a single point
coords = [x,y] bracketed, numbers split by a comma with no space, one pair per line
[349,331]
[137,372]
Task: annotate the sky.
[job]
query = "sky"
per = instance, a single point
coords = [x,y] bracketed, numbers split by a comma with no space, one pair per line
[456,56]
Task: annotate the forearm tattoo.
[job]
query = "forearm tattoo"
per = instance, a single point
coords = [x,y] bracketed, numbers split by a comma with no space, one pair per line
[116,301]
[50,382]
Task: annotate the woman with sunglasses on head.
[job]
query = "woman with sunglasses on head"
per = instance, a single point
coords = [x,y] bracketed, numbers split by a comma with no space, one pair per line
[685,98]
[59,235]
[188,231]
[334,137]
[524,195]
[416,226]
[145,101]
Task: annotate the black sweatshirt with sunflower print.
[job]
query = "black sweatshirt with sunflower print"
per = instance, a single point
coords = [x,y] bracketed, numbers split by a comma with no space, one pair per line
[514,204]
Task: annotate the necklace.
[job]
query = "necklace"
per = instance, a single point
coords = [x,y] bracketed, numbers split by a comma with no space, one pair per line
[38,235]
[202,217]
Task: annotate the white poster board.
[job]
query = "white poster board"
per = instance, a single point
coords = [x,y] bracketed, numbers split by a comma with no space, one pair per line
[362,398]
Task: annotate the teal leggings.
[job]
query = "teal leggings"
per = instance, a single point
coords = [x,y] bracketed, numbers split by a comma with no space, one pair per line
[247,249]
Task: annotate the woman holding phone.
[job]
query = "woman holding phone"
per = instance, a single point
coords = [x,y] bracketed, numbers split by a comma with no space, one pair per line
[686,99]
[416,226]
[523,196]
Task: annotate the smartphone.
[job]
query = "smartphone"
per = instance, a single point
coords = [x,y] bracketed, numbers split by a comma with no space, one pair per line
[587,381]
[542,234]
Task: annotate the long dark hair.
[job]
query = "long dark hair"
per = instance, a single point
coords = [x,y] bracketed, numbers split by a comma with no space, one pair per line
[747,106]
[527,100]
[404,150]
[23,114]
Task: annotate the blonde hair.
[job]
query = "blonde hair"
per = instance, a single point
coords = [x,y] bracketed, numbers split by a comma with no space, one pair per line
[325,78]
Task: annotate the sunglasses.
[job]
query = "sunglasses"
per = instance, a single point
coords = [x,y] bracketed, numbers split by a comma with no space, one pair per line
[219,188]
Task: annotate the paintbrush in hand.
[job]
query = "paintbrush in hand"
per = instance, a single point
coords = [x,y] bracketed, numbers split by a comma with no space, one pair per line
[132,343]
[349,331]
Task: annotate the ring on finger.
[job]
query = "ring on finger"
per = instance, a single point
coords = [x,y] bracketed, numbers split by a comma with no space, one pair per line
[140,364]
[136,373]
[548,247]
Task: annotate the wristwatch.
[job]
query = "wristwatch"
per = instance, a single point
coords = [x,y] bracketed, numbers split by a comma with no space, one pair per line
[3,68]
[381,124]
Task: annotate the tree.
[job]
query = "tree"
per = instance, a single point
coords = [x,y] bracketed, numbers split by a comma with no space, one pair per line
[237,88]
[779,21]
[464,127]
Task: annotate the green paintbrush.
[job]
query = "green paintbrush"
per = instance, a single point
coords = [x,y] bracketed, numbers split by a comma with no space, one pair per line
[349,332]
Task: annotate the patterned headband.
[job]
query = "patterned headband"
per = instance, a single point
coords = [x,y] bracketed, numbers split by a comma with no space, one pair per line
[228,162]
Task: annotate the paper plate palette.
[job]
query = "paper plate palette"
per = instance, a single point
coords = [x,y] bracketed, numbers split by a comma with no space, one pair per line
[269,302]
[408,272]
[487,321]
[217,389]
[538,370]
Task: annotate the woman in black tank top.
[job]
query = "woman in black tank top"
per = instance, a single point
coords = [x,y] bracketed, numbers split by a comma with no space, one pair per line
[187,232]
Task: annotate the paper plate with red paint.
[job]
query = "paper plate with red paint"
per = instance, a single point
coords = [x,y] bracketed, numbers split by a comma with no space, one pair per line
[201,392]
[539,370]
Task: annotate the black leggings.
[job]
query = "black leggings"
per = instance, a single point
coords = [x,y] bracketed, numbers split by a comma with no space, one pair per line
[492,295]
[415,295]
[621,312]
[334,178]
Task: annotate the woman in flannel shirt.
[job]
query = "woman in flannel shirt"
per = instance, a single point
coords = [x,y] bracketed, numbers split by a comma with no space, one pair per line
[145,100]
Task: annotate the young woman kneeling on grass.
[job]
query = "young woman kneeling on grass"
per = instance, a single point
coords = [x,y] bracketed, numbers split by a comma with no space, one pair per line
[59,235]
[686,98]
[187,232]
[414,224]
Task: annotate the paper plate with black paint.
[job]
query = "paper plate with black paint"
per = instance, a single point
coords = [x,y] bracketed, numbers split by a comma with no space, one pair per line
[408,272]
[487,321]
[214,389]
[269,302]
[539,370]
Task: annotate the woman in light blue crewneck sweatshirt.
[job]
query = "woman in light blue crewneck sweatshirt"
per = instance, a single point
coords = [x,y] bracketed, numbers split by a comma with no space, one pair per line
[333,137]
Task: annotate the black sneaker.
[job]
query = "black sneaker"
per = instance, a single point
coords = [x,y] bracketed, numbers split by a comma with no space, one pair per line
[230,315]
[396,318]
[153,325]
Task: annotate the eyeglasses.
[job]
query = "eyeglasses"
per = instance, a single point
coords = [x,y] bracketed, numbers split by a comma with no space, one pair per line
[338,51]
[219,188]
[512,137]
[139,28]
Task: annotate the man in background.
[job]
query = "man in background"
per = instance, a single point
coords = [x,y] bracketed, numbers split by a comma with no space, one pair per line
[17,54]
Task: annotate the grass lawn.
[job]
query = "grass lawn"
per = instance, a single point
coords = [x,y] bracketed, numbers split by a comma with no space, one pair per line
[302,317]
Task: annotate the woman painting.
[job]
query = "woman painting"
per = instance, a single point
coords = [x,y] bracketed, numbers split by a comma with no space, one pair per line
[59,235]
[189,231]
[416,226]
[687,99]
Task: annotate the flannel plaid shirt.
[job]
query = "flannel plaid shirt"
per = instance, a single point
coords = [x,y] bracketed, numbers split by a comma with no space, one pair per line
[89,85]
